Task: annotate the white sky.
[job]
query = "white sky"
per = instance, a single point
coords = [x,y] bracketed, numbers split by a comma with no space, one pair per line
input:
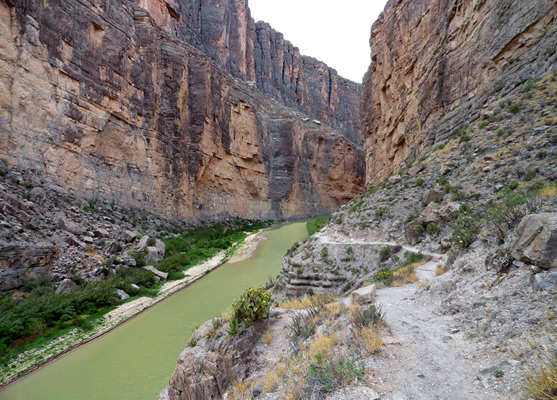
[333,31]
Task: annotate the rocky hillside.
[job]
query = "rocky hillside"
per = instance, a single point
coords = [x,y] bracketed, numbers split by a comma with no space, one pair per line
[460,249]
[436,64]
[118,108]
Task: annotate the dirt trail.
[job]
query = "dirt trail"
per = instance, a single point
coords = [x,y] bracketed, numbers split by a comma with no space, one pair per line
[426,357]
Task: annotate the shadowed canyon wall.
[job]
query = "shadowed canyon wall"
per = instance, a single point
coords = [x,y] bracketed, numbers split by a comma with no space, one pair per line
[178,120]
[435,63]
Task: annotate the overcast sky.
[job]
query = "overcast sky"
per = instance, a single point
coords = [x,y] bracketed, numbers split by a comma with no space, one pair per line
[334,31]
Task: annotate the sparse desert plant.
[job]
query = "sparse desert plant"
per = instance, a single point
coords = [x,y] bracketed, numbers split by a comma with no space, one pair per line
[323,379]
[515,108]
[384,275]
[541,382]
[301,327]
[432,229]
[384,253]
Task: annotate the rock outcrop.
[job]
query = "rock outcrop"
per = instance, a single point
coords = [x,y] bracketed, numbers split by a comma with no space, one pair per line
[176,120]
[436,63]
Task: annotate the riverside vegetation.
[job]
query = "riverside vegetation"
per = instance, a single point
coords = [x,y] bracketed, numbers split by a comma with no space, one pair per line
[36,314]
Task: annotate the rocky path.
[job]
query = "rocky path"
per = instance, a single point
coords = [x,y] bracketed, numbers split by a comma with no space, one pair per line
[426,357]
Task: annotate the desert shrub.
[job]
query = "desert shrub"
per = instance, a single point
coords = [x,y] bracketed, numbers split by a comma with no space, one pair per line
[541,383]
[465,230]
[384,275]
[301,327]
[385,253]
[514,108]
[438,198]
[413,258]
[420,181]
[409,218]
[362,317]
[513,185]
[252,306]
[432,229]
[419,230]
[323,378]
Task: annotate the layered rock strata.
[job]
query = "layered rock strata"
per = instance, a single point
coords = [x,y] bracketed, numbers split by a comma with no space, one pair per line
[435,63]
[98,95]
[256,53]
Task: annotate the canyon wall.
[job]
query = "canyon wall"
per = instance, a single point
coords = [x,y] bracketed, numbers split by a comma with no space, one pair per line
[256,53]
[436,62]
[99,95]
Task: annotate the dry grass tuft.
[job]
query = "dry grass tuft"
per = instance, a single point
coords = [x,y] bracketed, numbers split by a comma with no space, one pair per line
[297,304]
[371,338]
[271,380]
[240,391]
[324,345]
[541,383]
[268,338]
[405,275]
[440,269]
[549,191]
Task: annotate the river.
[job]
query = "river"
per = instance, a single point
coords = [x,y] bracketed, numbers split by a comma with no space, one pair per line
[135,361]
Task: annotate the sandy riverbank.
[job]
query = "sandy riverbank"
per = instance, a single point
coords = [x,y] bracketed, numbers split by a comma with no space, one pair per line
[34,359]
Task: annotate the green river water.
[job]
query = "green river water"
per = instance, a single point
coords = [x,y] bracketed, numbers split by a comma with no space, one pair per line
[135,361]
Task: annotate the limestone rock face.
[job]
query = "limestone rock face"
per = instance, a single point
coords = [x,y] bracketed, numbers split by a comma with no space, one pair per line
[138,103]
[537,240]
[435,63]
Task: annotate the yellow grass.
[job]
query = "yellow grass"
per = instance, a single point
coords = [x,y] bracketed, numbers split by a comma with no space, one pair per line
[541,384]
[272,378]
[549,191]
[371,337]
[324,345]
[267,338]
[297,304]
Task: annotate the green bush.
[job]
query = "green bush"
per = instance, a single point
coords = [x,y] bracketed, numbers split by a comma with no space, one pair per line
[385,253]
[316,224]
[412,258]
[513,185]
[465,230]
[323,379]
[514,108]
[252,306]
[419,230]
[384,275]
[432,229]
[419,182]
[409,218]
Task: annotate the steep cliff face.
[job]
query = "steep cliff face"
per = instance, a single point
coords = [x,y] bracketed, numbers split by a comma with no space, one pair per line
[256,53]
[98,95]
[436,62]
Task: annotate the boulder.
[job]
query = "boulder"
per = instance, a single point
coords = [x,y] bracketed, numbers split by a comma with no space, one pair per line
[129,236]
[159,274]
[364,295]
[142,242]
[66,286]
[70,226]
[545,280]
[415,170]
[161,247]
[72,240]
[152,254]
[444,170]
[122,295]
[429,196]
[100,233]
[395,179]
[440,212]
[410,230]
[536,241]
[134,286]
[114,247]
[37,195]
